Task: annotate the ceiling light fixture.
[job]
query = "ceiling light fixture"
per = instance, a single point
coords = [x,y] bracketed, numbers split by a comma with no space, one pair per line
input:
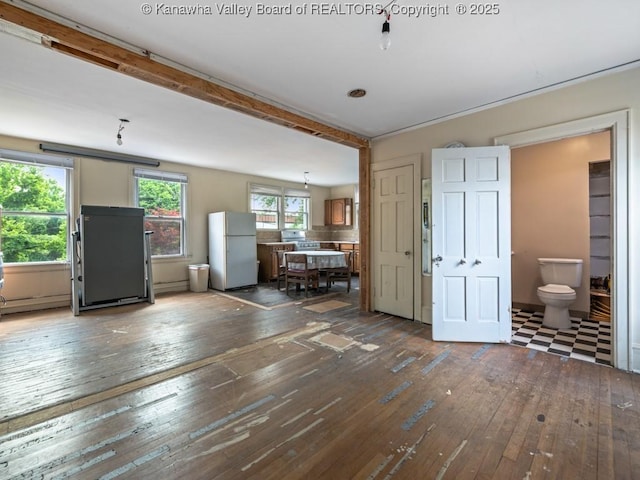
[357,93]
[385,38]
[123,121]
[306,179]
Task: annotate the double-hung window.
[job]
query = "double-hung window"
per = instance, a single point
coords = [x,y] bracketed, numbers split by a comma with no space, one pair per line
[278,208]
[163,197]
[266,203]
[296,209]
[34,197]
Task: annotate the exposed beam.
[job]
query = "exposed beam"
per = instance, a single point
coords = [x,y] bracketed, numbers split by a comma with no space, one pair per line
[101,52]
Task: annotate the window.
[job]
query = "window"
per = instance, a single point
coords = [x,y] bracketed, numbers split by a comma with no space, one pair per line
[278,208]
[296,209]
[162,195]
[265,203]
[34,195]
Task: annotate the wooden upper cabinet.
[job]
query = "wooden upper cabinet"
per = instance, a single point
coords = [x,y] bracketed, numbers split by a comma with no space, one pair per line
[338,211]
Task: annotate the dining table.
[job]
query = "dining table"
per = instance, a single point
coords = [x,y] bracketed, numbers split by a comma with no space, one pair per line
[320,259]
[323,259]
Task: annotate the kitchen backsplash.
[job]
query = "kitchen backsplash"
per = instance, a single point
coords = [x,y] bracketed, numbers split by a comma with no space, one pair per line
[329,233]
[320,233]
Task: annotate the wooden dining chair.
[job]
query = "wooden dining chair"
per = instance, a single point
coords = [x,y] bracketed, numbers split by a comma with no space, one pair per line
[278,259]
[339,274]
[297,271]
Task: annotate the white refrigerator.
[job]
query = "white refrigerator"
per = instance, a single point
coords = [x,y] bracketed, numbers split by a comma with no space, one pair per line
[233,258]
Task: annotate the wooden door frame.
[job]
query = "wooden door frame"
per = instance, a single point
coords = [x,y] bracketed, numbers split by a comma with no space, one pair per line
[618,123]
[415,161]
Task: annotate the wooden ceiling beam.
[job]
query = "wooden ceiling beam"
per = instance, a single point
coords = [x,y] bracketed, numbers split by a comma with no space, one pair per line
[100,52]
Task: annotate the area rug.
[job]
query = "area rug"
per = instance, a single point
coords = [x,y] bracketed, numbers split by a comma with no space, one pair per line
[327,306]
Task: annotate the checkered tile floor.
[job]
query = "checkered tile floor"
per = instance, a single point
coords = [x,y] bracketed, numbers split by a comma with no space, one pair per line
[586,340]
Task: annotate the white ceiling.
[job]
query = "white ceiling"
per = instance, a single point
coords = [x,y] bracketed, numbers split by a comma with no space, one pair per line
[436,67]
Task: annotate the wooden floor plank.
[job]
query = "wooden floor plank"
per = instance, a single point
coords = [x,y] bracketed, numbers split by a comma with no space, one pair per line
[202,386]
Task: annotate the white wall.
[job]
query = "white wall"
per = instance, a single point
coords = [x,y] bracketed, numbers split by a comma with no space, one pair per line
[98,182]
[590,98]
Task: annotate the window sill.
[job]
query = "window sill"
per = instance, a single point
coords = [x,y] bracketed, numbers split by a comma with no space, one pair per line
[169,258]
[36,267]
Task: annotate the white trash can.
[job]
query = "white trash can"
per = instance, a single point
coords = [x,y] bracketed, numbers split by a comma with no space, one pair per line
[199,277]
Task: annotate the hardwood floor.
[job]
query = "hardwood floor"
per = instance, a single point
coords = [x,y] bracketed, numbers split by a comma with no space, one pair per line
[203,386]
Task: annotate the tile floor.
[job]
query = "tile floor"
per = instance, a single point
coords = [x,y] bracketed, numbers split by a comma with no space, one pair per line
[586,340]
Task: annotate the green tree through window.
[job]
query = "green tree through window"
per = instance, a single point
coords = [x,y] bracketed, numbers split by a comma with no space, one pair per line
[277,207]
[34,216]
[162,197]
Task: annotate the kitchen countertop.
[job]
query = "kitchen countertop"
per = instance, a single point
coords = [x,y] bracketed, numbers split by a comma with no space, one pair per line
[321,241]
[276,243]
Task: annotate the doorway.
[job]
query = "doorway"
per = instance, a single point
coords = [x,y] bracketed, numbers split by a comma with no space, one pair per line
[552,206]
[550,209]
[396,262]
[616,123]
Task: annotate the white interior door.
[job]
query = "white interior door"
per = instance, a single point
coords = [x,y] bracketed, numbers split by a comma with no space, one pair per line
[393,241]
[471,204]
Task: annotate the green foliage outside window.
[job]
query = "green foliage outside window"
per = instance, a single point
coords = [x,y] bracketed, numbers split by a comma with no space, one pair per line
[280,209]
[266,208]
[296,212]
[162,203]
[34,219]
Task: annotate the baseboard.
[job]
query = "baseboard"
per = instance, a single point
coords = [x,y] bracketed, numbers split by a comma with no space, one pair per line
[33,304]
[170,287]
[57,301]
[532,307]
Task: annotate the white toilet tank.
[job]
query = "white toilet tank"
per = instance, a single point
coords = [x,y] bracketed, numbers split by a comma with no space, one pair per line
[561,271]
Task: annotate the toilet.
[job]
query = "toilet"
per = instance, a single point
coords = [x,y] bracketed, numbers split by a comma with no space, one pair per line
[560,276]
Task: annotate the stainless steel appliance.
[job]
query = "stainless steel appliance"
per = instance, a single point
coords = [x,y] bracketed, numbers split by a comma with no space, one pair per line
[233,254]
[299,238]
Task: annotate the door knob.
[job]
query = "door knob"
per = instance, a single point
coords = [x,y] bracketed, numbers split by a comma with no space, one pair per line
[462,261]
[407,253]
[477,262]
[437,260]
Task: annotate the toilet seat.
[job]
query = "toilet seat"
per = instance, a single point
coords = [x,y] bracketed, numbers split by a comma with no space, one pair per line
[557,291]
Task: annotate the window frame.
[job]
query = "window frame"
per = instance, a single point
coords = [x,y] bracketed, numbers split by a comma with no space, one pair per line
[165,176]
[294,193]
[267,191]
[45,161]
[281,193]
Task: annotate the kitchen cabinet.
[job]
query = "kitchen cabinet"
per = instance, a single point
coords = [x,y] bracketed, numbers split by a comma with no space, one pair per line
[338,211]
[268,270]
[355,256]
[328,246]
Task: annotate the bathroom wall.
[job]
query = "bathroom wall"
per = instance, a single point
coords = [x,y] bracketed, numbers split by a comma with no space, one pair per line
[550,210]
